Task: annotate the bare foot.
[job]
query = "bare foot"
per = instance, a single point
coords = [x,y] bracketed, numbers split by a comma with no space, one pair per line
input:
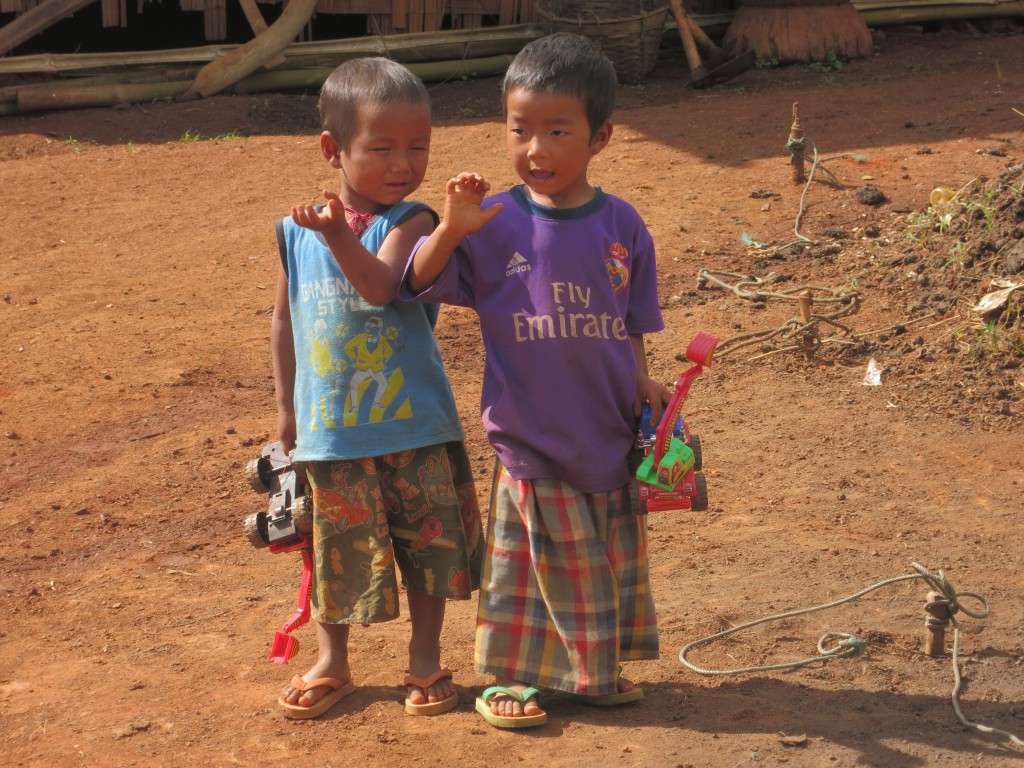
[440,690]
[332,661]
[505,706]
[292,695]
[427,616]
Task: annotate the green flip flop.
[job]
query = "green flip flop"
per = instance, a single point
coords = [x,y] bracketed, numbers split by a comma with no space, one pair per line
[483,706]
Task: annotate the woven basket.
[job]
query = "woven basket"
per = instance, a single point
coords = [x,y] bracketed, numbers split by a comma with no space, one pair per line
[630,39]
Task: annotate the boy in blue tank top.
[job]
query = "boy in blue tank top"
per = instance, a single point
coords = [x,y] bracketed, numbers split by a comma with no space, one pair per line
[363,398]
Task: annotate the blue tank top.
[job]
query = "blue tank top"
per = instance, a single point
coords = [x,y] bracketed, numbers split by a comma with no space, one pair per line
[368,379]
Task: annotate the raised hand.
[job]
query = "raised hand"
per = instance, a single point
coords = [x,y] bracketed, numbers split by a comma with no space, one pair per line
[462,212]
[330,220]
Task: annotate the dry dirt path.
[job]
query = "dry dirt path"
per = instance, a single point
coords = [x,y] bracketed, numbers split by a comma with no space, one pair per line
[137,274]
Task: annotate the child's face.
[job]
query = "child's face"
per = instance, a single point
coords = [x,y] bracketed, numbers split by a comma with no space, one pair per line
[386,158]
[550,145]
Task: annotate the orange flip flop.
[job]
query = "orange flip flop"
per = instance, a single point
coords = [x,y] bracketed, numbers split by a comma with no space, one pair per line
[431,707]
[339,691]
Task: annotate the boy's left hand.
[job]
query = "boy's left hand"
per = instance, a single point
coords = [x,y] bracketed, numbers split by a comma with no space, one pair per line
[653,392]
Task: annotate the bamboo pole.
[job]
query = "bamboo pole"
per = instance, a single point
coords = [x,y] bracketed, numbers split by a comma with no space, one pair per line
[313,78]
[913,14]
[54,63]
[35,98]
[9,94]
[406,48]
[43,96]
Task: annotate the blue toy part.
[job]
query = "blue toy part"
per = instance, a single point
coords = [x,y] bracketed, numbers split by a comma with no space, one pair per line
[649,430]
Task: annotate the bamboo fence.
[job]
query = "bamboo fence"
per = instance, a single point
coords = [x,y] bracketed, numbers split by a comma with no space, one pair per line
[106,79]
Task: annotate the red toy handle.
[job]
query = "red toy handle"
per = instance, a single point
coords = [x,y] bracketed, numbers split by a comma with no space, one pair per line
[301,615]
[699,352]
[285,646]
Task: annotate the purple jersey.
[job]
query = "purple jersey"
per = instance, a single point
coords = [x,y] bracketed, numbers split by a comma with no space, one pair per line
[558,292]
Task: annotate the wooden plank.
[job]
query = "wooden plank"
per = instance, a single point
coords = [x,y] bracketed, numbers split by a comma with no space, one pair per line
[399,14]
[215,19]
[433,14]
[354,7]
[108,12]
[32,22]
[415,15]
[427,46]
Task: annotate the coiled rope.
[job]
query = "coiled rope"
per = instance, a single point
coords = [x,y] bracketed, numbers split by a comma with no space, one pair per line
[839,645]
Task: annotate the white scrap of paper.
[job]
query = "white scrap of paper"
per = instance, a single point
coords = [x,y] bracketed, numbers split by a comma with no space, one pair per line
[996,299]
[873,375]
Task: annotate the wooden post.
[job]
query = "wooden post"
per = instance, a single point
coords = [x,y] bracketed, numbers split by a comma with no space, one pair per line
[808,339]
[686,38]
[937,608]
[805,306]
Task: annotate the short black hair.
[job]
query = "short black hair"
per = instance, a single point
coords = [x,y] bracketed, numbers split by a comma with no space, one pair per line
[568,64]
[365,82]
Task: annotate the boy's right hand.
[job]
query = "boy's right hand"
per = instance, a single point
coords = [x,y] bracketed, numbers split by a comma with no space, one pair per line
[286,429]
[329,220]
[462,212]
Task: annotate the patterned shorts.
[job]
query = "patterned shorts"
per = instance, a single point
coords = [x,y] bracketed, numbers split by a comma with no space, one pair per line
[416,507]
[565,594]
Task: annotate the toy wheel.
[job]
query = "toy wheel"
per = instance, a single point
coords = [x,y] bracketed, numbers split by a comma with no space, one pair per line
[256,473]
[253,534]
[699,502]
[302,514]
[697,458]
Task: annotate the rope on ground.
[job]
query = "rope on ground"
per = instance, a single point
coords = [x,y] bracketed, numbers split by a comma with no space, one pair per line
[797,333]
[743,282]
[847,646]
[796,147]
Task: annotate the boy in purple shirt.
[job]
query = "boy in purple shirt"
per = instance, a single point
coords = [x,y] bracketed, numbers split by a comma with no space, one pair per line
[563,277]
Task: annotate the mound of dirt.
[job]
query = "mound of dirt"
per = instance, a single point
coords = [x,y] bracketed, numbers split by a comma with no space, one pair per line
[932,266]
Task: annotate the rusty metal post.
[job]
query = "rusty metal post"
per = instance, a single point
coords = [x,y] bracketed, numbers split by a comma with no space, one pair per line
[937,607]
[796,146]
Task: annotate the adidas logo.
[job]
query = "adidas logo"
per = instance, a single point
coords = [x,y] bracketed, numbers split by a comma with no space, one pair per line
[516,264]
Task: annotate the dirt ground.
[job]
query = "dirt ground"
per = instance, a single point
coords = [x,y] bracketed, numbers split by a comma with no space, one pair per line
[137,274]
